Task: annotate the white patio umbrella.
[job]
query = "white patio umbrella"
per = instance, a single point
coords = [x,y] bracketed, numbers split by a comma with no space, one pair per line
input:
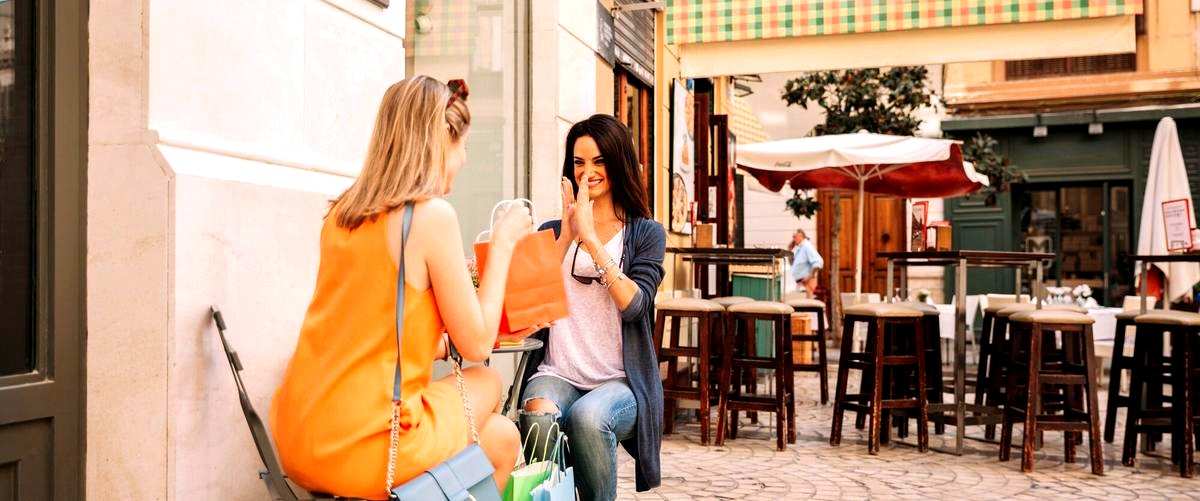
[1167,180]
[909,167]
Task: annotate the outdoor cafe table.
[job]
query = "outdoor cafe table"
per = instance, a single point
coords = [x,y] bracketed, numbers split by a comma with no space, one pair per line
[961,260]
[522,351]
[1147,259]
[731,256]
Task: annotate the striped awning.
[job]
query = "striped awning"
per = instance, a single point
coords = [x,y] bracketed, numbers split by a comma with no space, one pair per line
[693,21]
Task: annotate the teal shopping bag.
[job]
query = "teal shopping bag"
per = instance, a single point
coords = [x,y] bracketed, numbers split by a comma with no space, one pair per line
[559,485]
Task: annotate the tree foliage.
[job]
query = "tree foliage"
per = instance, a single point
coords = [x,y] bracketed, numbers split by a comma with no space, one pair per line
[982,150]
[871,99]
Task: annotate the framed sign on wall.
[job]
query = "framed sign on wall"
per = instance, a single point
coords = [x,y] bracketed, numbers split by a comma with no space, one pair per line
[683,180]
[1177,224]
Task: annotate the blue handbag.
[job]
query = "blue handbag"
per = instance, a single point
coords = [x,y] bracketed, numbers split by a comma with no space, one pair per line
[465,476]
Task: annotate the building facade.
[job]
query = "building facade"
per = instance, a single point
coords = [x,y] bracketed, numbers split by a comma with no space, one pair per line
[1080,129]
[162,157]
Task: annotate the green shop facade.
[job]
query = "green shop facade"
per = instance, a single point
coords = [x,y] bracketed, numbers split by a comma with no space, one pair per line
[1082,200]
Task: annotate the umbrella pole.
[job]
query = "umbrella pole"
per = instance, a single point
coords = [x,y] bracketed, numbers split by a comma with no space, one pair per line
[859,237]
[835,271]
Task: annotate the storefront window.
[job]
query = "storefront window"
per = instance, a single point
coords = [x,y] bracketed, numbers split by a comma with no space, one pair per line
[1091,242]
[17,166]
[475,40]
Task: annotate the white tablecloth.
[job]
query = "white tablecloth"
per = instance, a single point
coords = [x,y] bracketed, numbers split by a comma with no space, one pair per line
[1103,331]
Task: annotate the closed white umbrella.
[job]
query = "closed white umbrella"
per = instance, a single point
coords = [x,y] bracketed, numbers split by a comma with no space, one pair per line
[1167,180]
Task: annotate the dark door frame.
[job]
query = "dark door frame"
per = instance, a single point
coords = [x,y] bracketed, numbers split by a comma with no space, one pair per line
[51,398]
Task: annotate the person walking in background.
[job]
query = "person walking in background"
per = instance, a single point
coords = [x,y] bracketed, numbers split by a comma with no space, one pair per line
[805,262]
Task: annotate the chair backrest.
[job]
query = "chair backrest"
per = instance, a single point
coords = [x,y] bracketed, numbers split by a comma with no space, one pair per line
[851,299]
[796,294]
[273,476]
[974,303]
[1135,302]
[993,299]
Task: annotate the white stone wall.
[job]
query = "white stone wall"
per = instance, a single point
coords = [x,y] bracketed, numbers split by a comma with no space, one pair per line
[565,88]
[219,131]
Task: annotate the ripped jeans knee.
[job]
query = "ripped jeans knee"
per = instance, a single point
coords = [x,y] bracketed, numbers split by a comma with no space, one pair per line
[538,429]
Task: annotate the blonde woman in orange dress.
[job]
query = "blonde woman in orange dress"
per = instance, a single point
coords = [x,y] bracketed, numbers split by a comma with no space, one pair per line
[331,417]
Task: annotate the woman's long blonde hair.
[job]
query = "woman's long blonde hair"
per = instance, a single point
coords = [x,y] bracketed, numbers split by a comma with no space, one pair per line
[419,118]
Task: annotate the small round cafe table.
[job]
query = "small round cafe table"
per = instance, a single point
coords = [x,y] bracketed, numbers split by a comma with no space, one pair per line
[522,352]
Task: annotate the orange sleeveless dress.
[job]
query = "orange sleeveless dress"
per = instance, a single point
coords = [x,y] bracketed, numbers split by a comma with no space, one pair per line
[330,418]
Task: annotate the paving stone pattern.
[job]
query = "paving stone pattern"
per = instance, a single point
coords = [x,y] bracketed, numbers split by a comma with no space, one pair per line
[750,468]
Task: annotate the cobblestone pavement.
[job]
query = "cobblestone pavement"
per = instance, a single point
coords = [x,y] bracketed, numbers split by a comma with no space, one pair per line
[750,468]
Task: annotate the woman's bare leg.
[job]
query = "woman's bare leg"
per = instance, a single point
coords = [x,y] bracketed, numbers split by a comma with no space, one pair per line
[498,435]
[500,441]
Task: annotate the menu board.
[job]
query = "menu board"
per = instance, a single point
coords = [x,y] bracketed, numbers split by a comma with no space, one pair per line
[1177,224]
[683,147]
[920,215]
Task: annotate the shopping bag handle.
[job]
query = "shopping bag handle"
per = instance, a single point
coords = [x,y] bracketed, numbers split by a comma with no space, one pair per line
[486,235]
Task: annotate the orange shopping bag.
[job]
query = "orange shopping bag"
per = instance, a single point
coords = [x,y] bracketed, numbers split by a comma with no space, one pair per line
[534,293]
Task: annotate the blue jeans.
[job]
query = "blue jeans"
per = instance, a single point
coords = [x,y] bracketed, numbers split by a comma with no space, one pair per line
[594,421]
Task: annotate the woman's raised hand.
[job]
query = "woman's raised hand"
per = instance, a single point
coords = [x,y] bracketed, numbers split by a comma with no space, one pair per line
[568,210]
[514,224]
[584,225]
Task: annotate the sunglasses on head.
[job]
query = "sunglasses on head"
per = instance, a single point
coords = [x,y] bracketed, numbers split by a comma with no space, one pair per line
[589,280]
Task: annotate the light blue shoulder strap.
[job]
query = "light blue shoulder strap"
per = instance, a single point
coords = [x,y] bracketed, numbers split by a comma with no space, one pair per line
[408,213]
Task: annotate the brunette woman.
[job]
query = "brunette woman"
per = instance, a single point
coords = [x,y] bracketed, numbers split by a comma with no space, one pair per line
[597,375]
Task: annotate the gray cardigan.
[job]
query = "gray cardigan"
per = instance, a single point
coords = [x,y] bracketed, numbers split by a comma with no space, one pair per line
[645,245]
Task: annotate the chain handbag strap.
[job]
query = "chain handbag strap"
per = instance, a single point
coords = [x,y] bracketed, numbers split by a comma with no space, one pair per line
[394,436]
[394,425]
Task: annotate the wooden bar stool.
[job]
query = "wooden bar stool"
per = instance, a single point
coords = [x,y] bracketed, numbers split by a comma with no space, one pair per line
[988,339]
[1032,368]
[737,361]
[991,384]
[1148,369]
[935,387]
[885,322]
[817,307]
[1120,363]
[708,315]
[751,385]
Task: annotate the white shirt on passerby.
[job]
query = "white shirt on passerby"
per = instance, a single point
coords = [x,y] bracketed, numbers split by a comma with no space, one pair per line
[585,348]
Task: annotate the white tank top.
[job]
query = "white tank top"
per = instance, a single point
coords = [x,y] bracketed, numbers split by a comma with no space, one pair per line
[585,348]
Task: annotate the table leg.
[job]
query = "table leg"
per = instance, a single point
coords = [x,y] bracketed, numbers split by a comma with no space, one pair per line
[1142,284]
[960,355]
[1037,284]
[891,268]
[514,390]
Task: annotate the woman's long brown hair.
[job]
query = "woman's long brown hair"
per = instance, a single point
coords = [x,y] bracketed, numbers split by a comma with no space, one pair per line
[418,119]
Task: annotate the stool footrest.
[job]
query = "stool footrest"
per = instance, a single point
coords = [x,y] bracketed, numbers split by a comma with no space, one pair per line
[900,404]
[743,402]
[1064,379]
[679,352]
[1063,423]
[899,360]
[755,363]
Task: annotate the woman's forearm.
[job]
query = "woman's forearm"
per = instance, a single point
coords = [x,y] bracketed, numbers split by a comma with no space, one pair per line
[620,288]
[491,292]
